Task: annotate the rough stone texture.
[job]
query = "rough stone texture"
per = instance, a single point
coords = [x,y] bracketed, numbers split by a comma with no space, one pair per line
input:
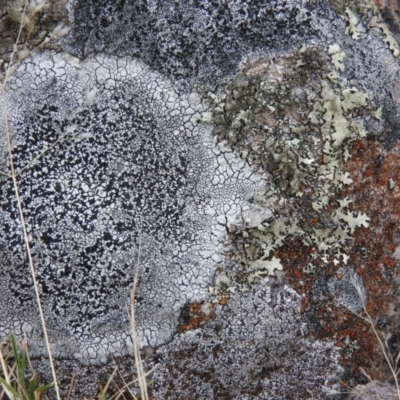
[244,155]
[268,363]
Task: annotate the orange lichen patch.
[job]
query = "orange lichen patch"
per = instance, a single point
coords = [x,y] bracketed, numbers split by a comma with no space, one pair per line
[223,300]
[196,314]
[376,194]
[375,191]
[352,334]
[295,257]
[305,303]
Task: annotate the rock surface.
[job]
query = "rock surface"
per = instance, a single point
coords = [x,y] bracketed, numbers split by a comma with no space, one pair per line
[241,156]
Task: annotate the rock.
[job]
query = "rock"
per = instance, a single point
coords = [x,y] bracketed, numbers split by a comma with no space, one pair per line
[240,156]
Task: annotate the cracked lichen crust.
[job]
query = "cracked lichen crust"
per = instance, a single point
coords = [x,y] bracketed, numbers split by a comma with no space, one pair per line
[115,170]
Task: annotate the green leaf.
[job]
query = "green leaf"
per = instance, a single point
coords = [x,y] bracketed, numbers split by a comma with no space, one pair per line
[102,394]
[20,358]
[8,387]
[32,388]
[43,388]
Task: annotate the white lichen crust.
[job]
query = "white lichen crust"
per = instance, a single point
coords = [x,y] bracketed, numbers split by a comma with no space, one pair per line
[115,170]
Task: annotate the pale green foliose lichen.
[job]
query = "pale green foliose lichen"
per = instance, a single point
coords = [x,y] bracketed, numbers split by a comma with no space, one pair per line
[354,28]
[337,56]
[374,20]
[299,131]
[377,23]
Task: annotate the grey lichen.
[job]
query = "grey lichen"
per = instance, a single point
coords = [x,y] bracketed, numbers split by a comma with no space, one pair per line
[377,22]
[373,20]
[354,28]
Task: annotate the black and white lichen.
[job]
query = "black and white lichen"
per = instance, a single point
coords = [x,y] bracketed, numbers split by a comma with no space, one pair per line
[116,170]
[192,41]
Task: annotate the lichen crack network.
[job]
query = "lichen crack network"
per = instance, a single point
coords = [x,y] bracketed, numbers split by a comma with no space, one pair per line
[132,164]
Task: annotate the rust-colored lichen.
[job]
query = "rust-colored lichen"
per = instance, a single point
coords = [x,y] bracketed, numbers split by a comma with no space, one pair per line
[375,191]
[295,257]
[196,314]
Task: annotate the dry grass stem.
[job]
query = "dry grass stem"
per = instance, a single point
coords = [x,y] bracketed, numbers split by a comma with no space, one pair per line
[27,244]
[71,385]
[120,392]
[138,359]
[103,391]
[384,348]
[385,352]
[370,379]
[5,369]
[125,387]
[21,215]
